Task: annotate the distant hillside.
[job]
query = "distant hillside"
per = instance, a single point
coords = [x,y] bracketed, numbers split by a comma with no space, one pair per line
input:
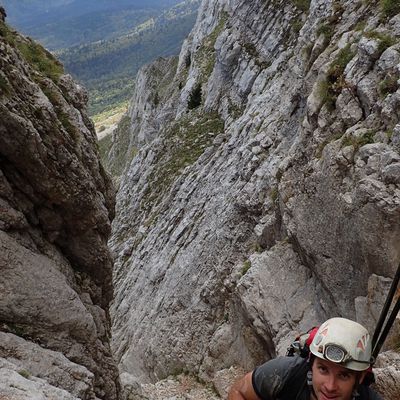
[108,67]
[64,23]
[103,43]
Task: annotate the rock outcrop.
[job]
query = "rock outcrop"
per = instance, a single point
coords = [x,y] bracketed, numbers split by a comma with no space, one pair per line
[267,192]
[56,206]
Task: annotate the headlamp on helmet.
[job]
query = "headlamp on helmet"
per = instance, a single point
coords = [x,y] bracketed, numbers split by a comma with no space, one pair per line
[344,342]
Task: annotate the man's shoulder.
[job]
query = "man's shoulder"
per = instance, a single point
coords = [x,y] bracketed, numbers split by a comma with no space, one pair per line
[278,374]
[284,364]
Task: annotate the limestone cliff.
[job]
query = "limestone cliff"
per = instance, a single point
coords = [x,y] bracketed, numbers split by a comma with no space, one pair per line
[56,206]
[265,196]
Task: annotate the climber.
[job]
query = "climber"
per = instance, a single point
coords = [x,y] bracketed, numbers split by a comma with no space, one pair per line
[338,360]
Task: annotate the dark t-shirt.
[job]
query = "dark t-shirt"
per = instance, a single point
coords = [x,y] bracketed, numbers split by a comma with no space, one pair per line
[285,378]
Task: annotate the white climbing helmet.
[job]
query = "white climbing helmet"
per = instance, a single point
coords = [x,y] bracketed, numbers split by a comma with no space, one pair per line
[344,342]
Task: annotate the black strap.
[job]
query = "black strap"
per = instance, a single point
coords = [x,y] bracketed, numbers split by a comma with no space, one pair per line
[380,335]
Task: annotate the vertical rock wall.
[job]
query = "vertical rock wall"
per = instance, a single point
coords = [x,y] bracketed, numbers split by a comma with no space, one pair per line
[56,205]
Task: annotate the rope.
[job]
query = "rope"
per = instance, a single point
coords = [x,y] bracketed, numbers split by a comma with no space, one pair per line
[380,335]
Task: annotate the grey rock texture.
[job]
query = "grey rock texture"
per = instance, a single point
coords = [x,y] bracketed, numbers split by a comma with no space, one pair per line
[266,194]
[56,206]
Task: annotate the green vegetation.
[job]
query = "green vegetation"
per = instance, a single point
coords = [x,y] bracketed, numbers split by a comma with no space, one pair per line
[329,89]
[235,111]
[110,116]
[389,8]
[385,41]
[389,134]
[274,194]
[303,5]
[360,26]
[41,60]
[185,141]
[359,141]
[104,147]
[327,30]
[251,49]
[256,247]
[106,95]
[388,85]
[52,95]
[7,34]
[246,267]
[66,123]
[89,28]
[297,24]
[18,330]
[108,68]
[120,151]
[24,373]
[205,56]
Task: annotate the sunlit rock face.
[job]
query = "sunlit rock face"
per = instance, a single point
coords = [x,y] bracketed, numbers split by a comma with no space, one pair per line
[267,192]
[56,206]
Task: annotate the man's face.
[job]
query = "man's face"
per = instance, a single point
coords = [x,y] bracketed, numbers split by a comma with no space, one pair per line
[332,381]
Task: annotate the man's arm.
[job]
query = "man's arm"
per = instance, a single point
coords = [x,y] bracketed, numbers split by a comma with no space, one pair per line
[243,389]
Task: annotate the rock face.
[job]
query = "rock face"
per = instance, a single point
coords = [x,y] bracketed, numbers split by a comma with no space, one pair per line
[267,192]
[56,206]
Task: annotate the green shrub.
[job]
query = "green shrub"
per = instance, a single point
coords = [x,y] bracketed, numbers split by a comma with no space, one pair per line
[359,141]
[7,34]
[326,94]
[24,373]
[390,8]
[297,25]
[256,247]
[67,124]
[343,58]
[388,85]
[327,31]
[329,90]
[303,5]
[51,94]
[360,26]
[246,267]
[385,41]
[274,194]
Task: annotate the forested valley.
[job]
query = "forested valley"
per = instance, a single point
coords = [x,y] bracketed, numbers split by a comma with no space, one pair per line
[104,43]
